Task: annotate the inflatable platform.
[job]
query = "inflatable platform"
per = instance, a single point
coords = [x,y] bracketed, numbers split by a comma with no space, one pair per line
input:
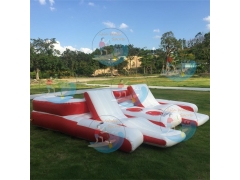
[117,119]
[83,117]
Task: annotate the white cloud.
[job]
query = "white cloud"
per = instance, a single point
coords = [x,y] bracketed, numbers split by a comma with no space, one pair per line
[42,2]
[157,37]
[86,50]
[91,4]
[207,19]
[51,2]
[52,8]
[109,24]
[62,49]
[156,30]
[131,30]
[123,26]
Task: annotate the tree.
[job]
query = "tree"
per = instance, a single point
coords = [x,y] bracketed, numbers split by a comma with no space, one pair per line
[206,43]
[39,50]
[146,61]
[170,45]
[69,58]
[133,53]
[159,59]
[183,44]
[201,50]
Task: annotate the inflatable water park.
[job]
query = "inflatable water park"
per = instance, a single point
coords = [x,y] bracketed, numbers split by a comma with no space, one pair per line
[121,118]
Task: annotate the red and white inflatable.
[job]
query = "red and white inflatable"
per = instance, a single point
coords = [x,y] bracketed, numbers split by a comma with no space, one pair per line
[82,117]
[138,101]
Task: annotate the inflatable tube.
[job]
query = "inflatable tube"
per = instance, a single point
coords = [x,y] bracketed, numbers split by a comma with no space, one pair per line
[70,107]
[84,128]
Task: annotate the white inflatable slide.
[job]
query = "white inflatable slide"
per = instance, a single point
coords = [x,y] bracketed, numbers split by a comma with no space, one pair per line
[103,106]
[143,97]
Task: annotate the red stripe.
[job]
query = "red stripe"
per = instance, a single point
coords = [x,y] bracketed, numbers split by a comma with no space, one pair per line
[53,122]
[126,146]
[189,108]
[120,94]
[137,101]
[91,107]
[129,116]
[160,142]
[62,109]
[85,133]
[134,109]
[154,113]
[158,123]
[162,103]
[187,121]
[117,94]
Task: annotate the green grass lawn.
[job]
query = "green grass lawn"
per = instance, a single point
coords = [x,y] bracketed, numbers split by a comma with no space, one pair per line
[54,155]
[42,88]
[203,82]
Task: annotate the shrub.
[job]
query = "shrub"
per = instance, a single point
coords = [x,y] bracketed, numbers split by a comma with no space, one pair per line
[33,75]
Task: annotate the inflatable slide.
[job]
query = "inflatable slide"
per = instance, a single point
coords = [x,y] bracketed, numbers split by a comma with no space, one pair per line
[139,97]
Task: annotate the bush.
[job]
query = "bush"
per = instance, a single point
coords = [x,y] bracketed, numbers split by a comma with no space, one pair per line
[33,75]
[44,75]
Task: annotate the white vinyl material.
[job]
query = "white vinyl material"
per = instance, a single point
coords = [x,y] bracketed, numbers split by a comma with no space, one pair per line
[107,107]
[189,115]
[77,117]
[51,98]
[134,136]
[151,102]
[163,117]
[195,108]
[154,131]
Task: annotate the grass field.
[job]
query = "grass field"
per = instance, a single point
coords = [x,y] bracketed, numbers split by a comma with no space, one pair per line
[54,155]
[203,82]
[42,88]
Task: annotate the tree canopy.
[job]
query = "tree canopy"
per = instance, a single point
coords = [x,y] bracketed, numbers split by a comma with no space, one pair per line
[47,61]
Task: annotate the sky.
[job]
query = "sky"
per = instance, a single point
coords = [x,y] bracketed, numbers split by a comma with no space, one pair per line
[75,23]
